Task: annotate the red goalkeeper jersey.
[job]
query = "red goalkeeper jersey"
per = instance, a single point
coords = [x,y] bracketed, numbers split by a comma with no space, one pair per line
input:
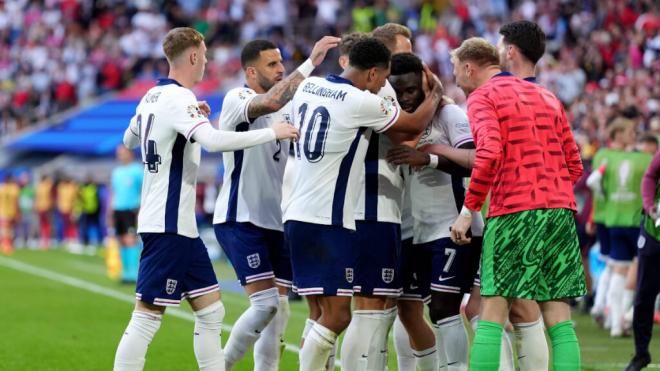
[525,149]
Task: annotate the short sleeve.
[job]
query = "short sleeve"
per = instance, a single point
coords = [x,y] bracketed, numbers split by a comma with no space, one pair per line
[235,108]
[186,116]
[377,113]
[458,127]
[133,127]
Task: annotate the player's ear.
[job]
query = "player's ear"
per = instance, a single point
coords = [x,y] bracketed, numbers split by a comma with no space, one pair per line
[343,61]
[250,72]
[193,57]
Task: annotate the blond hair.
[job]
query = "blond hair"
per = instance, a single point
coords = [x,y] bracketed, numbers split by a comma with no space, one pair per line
[179,40]
[619,124]
[387,33]
[348,40]
[477,50]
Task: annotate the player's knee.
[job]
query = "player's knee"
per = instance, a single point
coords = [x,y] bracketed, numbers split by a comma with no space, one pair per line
[265,302]
[211,317]
[444,305]
[524,311]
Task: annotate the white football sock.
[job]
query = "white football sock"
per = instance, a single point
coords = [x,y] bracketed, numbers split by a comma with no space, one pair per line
[628,296]
[267,349]
[404,353]
[532,346]
[454,342]
[427,360]
[615,299]
[600,301]
[133,345]
[330,366]
[309,323]
[248,328]
[377,360]
[206,341]
[506,353]
[318,345]
[439,346]
[357,340]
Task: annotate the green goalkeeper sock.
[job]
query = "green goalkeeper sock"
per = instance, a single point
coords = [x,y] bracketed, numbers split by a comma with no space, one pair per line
[565,347]
[485,352]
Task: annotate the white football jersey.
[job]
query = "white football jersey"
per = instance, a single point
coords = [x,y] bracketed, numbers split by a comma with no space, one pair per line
[407,221]
[252,182]
[381,184]
[437,197]
[332,116]
[165,121]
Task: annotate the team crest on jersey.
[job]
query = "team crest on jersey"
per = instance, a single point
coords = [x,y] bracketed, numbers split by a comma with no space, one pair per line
[641,241]
[387,105]
[194,111]
[244,94]
[388,275]
[254,261]
[349,275]
[170,286]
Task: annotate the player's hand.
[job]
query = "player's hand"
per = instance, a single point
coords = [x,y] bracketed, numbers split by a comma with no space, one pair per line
[431,84]
[458,230]
[284,130]
[321,49]
[590,228]
[404,155]
[204,107]
[446,100]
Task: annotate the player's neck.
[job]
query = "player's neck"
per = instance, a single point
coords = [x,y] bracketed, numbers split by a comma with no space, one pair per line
[354,76]
[182,78]
[523,70]
[255,86]
[487,73]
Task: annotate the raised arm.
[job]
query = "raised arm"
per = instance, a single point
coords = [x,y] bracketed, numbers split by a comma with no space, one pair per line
[283,91]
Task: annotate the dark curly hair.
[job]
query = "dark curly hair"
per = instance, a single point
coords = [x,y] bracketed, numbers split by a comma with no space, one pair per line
[404,63]
[526,36]
[369,53]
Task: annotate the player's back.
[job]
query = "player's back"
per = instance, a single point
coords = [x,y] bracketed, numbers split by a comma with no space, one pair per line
[332,115]
[539,158]
[166,118]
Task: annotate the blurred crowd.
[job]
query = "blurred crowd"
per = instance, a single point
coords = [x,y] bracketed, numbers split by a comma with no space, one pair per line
[602,55]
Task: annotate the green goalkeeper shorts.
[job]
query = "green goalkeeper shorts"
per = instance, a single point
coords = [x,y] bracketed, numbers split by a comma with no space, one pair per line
[532,254]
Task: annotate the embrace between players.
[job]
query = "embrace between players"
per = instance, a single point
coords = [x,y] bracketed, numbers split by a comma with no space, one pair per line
[375,213]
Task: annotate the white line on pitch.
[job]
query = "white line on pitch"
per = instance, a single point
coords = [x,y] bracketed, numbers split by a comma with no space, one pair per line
[101,290]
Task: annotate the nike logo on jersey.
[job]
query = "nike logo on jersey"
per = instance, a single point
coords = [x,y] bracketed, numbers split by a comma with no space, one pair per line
[413,286]
[445,278]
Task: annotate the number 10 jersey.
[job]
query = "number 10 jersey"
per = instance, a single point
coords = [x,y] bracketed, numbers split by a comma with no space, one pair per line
[332,116]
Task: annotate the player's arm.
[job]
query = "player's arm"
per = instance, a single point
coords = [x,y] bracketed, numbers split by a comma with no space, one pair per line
[418,158]
[132,135]
[283,91]
[214,140]
[414,123]
[463,155]
[649,183]
[570,148]
[483,116]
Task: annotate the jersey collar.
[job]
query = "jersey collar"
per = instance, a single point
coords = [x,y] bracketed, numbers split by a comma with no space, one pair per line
[338,79]
[531,79]
[503,73]
[162,82]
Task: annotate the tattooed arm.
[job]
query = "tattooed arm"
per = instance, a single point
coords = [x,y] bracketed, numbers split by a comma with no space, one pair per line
[283,91]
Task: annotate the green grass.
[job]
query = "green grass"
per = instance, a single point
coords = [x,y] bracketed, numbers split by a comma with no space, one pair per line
[49,325]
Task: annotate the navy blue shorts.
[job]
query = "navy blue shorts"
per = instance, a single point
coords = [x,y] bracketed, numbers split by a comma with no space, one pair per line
[172,268]
[454,267]
[623,243]
[322,257]
[378,266]
[255,253]
[647,245]
[416,270]
[603,237]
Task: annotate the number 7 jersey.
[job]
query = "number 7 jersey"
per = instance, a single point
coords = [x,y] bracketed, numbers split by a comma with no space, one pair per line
[332,116]
[165,121]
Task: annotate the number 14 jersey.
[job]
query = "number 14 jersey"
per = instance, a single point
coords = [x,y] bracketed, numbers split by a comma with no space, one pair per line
[332,115]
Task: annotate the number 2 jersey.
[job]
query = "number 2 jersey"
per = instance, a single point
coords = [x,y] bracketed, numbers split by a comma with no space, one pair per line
[332,116]
[165,121]
[252,183]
